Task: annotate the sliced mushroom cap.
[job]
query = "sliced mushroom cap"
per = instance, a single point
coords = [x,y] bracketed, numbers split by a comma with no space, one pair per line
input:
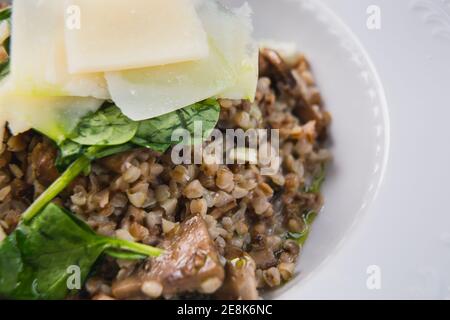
[190,262]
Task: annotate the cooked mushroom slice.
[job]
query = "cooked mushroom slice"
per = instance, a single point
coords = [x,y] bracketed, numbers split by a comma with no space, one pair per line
[190,263]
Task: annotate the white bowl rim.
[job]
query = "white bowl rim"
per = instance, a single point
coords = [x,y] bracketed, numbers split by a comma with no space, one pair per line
[287,291]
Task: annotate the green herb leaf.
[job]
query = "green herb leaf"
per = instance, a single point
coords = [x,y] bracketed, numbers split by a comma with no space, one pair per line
[69,151]
[4,69]
[112,150]
[109,127]
[151,145]
[157,133]
[5,14]
[35,258]
[117,254]
[106,127]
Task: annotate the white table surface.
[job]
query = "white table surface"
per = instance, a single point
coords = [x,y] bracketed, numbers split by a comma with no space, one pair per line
[407,231]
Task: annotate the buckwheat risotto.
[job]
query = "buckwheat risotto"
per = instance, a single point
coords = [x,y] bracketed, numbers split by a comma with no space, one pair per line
[106,198]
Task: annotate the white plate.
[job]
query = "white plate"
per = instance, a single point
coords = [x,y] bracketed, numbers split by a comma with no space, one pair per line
[401,249]
[405,235]
[360,129]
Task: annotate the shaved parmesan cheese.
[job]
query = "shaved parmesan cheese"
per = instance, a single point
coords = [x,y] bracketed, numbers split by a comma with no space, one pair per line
[240,49]
[151,92]
[56,117]
[118,35]
[230,71]
[38,54]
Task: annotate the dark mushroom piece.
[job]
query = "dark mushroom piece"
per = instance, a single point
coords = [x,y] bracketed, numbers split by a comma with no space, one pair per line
[190,263]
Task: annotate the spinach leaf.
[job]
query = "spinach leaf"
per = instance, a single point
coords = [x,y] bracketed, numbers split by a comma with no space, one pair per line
[109,127]
[156,133]
[5,14]
[4,69]
[117,254]
[69,151]
[300,237]
[112,150]
[106,127]
[158,147]
[35,258]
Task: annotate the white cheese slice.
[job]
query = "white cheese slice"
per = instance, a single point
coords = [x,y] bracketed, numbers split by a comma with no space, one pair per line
[38,54]
[231,70]
[117,35]
[56,117]
[151,92]
[240,48]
